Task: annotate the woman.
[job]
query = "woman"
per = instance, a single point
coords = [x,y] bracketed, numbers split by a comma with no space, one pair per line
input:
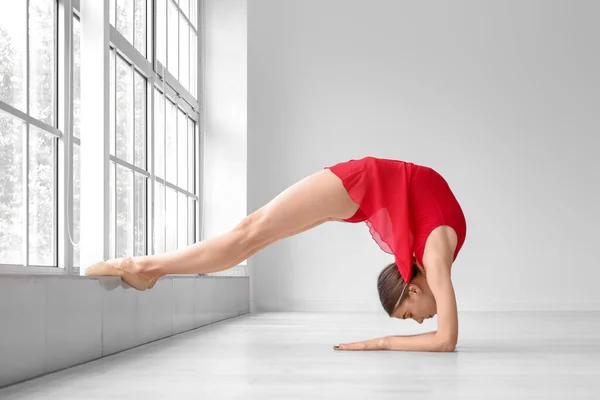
[409,209]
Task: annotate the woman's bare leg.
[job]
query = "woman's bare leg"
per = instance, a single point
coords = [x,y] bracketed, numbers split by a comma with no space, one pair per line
[310,202]
[263,245]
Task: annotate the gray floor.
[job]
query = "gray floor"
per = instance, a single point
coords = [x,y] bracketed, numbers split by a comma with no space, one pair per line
[290,356]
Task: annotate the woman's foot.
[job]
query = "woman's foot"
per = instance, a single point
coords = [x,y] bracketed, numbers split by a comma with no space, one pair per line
[127,269]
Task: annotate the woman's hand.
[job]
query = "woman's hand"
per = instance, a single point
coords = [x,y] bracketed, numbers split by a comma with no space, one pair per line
[366,345]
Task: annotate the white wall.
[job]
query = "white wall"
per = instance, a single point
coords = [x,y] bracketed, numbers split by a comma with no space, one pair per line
[501,97]
[54,322]
[225,87]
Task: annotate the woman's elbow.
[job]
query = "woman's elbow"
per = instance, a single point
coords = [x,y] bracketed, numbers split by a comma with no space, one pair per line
[446,345]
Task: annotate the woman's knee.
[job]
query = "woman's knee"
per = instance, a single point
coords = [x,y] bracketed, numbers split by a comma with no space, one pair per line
[255,229]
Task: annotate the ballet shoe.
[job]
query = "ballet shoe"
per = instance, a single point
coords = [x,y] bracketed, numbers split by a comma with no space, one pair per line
[103,268]
[152,282]
[126,270]
[133,277]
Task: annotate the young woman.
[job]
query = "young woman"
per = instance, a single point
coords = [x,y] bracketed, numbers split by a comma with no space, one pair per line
[410,211]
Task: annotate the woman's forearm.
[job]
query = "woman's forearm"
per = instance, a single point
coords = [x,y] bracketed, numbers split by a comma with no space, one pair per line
[429,341]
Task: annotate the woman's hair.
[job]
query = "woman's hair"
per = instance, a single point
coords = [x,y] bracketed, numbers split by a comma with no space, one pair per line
[390,286]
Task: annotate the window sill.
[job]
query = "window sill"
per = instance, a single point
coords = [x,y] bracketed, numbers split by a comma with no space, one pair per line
[31,270]
[54,271]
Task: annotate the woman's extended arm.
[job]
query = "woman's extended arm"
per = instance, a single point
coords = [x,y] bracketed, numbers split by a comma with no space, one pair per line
[421,342]
[446,337]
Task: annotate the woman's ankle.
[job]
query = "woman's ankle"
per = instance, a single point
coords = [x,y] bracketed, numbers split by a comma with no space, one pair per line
[146,266]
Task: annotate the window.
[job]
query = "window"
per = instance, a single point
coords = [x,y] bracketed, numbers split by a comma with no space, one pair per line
[28,144]
[130,21]
[175,197]
[11,196]
[128,169]
[154,148]
[153,197]
[177,40]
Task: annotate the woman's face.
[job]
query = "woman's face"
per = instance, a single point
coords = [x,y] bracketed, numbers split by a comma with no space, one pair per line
[419,304]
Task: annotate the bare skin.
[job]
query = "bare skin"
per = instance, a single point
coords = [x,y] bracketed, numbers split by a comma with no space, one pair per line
[316,199]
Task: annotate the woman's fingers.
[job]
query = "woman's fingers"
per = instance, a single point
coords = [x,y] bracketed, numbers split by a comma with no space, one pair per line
[350,346]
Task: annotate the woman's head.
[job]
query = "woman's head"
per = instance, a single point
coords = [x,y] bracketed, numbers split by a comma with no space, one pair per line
[405,300]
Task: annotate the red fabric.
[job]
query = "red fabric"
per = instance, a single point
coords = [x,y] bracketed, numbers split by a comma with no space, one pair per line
[401,203]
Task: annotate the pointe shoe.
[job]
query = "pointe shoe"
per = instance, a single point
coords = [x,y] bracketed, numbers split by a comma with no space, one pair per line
[103,268]
[152,282]
[133,277]
[126,270]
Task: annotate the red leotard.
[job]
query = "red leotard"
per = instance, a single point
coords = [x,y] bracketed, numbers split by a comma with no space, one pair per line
[401,203]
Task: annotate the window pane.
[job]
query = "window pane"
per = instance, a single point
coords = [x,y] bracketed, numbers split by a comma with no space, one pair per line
[159,219]
[41,58]
[125,19]
[76,203]
[159,134]
[12,53]
[140,26]
[11,181]
[171,220]
[173,40]
[111,12]
[171,133]
[191,221]
[140,215]
[124,111]
[77,78]
[194,13]
[182,176]
[182,234]
[161,31]
[124,212]
[112,98]
[140,121]
[41,197]
[184,53]
[111,211]
[184,5]
[193,64]
[191,164]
